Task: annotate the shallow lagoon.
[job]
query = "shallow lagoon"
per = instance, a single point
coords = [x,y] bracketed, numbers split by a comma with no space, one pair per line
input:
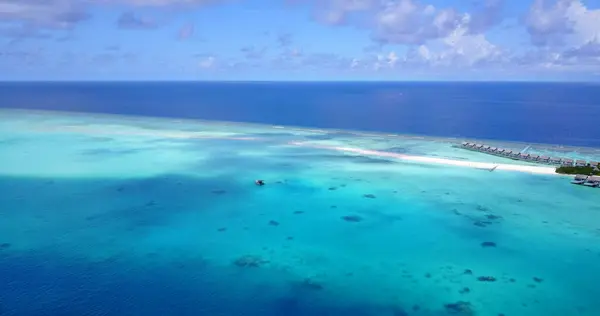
[113,215]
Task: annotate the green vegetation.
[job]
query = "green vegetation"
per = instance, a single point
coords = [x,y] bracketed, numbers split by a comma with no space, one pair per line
[578,170]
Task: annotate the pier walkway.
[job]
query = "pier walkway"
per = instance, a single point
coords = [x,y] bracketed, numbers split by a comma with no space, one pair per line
[523,156]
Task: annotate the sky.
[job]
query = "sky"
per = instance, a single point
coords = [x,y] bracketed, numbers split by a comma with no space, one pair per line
[298,40]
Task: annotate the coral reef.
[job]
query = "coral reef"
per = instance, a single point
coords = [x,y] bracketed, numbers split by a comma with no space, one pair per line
[460,308]
[250,261]
[352,218]
[486,279]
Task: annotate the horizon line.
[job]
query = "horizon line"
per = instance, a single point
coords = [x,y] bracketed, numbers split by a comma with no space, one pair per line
[290,81]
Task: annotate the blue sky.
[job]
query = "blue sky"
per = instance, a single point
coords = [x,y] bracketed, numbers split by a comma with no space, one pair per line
[300,40]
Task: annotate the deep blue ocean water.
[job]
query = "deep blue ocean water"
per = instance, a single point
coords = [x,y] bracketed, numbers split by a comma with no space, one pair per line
[114,215]
[555,113]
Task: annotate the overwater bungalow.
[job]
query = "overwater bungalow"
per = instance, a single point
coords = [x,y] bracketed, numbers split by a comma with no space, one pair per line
[579,179]
[555,161]
[592,181]
[517,155]
[580,163]
[567,162]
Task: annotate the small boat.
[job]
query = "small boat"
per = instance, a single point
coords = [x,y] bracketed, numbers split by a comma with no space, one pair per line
[579,179]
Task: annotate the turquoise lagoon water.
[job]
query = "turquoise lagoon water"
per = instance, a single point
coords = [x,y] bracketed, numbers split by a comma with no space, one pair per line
[105,215]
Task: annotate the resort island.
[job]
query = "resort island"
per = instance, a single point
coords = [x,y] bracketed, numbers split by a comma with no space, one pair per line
[586,173]
[574,170]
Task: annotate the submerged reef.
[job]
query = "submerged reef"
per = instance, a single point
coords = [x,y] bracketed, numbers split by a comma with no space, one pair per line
[250,261]
[309,284]
[459,308]
[352,218]
[487,244]
[486,279]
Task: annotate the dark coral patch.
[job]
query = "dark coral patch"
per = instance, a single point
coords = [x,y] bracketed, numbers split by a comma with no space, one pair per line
[486,279]
[369,196]
[482,223]
[222,229]
[310,284]
[249,261]
[352,218]
[5,245]
[332,189]
[487,244]
[219,192]
[465,290]
[482,208]
[468,271]
[273,223]
[538,280]
[459,308]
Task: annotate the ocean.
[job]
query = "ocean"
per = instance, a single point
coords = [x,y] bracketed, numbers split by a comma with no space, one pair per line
[140,199]
[553,113]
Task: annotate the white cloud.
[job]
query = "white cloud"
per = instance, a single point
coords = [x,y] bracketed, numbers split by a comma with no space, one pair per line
[31,15]
[207,62]
[406,21]
[58,14]
[567,32]
[562,22]
[154,3]
[337,11]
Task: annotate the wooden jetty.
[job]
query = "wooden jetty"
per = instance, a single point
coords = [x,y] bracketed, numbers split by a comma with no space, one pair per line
[522,155]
